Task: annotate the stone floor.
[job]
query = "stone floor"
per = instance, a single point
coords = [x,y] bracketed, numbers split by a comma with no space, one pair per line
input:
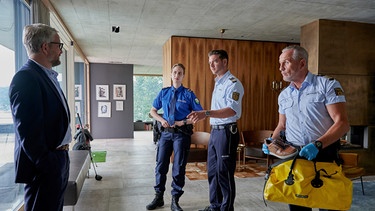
[128,179]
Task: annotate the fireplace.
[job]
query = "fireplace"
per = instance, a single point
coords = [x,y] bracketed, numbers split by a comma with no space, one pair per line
[356,137]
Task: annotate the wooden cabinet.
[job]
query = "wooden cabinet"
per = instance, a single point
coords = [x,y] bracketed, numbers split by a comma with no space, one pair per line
[255,63]
[345,51]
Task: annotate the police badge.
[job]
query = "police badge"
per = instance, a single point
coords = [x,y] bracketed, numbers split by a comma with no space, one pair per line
[235,96]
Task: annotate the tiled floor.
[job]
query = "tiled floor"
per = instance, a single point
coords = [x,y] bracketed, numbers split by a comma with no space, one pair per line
[128,179]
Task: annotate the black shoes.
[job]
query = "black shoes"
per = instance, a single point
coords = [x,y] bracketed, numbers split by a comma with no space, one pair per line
[157,202]
[174,205]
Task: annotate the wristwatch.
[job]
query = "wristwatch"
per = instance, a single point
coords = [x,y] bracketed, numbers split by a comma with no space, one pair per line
[184,121]
[318,144]
[207,113]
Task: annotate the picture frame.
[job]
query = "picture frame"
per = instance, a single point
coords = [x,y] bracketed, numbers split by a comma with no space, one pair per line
[119,105]
[104,109]
[119,92]
[78,92]
[102,92]
[77,107]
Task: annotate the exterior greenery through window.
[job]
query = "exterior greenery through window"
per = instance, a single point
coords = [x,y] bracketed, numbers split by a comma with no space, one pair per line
[146,88]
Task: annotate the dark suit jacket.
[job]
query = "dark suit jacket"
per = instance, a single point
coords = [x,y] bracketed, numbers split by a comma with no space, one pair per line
[40,121]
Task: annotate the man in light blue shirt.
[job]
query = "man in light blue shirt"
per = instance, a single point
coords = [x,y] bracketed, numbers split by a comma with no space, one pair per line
[311,110]
[225,111]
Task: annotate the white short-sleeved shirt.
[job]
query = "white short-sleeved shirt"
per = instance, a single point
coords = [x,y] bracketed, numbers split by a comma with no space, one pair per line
[228,92]
[305,109]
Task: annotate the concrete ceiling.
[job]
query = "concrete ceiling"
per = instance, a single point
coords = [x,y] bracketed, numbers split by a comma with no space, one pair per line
[145,25]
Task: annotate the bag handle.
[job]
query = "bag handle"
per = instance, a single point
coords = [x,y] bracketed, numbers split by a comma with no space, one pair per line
[266,177]
[290,179]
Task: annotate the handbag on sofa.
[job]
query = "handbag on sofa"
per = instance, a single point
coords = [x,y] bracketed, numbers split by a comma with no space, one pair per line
[308,183]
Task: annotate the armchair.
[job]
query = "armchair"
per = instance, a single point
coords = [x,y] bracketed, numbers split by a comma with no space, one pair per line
[253,140]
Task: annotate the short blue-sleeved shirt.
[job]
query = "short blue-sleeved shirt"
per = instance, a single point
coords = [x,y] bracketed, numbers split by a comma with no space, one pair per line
[186,102]
[228,92]
[307,118]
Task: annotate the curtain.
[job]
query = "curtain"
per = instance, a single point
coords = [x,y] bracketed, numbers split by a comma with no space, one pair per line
[39,12]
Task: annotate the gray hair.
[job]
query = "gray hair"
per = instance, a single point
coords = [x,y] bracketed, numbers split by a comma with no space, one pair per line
[298,52]
[35,35]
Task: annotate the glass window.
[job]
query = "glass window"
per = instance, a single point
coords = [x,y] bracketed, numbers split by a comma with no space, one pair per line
[146,88]
[12,57]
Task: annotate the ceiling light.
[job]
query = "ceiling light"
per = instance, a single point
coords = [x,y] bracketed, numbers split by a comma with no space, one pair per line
[115,29]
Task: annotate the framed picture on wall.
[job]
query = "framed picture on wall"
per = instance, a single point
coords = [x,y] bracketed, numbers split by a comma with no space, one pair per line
[77,107]
[119,105]
[119,92]
[102,92]
[104,109]
[78,92]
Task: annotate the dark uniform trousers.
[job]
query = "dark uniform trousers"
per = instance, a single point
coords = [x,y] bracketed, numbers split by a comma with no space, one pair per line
[172,141]
[221,166]
[40,188]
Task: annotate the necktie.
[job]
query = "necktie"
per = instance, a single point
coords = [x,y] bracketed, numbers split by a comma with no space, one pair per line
[172,108]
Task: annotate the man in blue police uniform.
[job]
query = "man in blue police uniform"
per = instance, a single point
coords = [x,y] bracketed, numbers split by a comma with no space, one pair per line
[177,102]
[311,110]
[225,111]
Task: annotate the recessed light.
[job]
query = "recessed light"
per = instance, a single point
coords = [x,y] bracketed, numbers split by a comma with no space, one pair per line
[115,29]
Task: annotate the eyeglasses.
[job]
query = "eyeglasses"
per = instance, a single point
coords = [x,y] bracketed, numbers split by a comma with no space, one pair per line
[61,45]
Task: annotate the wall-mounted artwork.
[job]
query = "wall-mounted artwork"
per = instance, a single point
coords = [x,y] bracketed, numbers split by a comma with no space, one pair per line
[119,105]
[77,107]
[119,92]
[104,109]
[102,92]
[78,92]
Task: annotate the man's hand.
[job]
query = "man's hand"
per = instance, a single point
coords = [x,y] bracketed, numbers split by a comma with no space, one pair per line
[309,151]
[196,116]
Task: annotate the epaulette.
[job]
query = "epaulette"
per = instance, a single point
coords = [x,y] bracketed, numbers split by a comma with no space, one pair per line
[328,77]
[233,79]
[189,90]
[166,88]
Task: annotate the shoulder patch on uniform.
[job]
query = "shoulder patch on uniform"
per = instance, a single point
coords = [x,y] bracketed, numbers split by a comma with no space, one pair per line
[234,80]
[339,91]
[196,101]
[235,96]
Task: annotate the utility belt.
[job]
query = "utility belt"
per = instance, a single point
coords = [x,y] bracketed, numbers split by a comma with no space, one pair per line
[231,126]
[186,129]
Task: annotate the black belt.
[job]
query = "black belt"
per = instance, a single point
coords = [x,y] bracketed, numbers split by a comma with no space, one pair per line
[222,127]
[175,129]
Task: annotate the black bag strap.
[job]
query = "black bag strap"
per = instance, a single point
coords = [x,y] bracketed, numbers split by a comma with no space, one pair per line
[290,179]
[270,167]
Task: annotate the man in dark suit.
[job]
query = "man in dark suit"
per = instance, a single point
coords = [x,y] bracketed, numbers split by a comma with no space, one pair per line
[42,122]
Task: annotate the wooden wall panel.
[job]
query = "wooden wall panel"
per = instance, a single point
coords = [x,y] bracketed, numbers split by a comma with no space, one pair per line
[243,64]
[272,52]
[167,57]
[198,69]
[255,83]
[180,52]
[255,63]
[346,47]
[340,47]
[230,46]
[310,40]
